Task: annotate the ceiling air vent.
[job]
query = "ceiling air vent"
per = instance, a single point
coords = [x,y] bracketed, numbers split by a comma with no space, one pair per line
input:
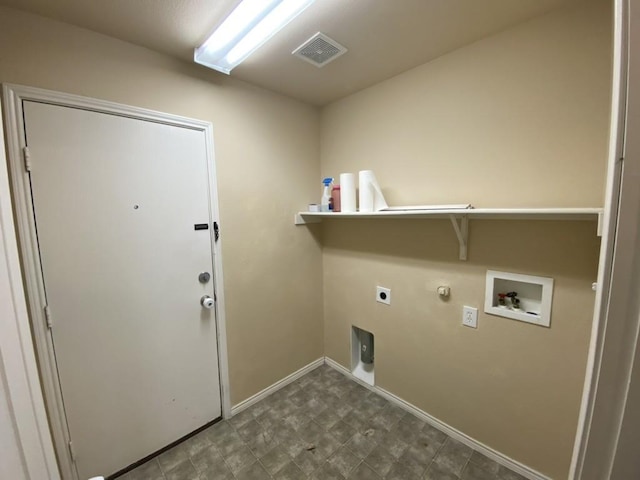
[319,50]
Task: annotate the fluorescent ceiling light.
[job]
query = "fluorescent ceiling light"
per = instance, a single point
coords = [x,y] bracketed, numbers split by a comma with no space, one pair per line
[248,27]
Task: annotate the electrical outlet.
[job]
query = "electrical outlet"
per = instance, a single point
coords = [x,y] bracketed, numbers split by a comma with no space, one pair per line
[383,295]
[470,317]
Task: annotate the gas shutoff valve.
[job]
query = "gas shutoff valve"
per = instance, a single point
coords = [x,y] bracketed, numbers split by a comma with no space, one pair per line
[444,291]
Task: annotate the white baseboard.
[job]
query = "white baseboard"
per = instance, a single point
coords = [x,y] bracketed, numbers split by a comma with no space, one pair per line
[276,386]
[443,427]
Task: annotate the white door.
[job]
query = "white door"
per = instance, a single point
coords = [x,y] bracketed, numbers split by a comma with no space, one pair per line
[116,204]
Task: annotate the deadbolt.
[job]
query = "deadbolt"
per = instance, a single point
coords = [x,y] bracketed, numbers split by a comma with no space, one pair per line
[204,277]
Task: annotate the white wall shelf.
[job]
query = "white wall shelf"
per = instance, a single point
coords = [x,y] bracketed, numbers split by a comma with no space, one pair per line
[460,217]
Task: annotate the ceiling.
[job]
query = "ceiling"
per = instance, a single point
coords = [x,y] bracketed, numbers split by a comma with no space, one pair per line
[384,37]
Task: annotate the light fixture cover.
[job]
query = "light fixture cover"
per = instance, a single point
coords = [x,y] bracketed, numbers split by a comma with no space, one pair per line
[247,27]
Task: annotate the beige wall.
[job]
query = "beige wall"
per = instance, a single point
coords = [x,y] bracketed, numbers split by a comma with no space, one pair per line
[513,386]
[517,119]
[266,150]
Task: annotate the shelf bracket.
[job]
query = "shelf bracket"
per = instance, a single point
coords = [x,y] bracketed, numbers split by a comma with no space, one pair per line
[600,223]
[300,220]
[462,232]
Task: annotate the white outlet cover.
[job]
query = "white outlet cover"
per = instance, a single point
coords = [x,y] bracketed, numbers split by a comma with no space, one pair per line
[383,295]
[470,317]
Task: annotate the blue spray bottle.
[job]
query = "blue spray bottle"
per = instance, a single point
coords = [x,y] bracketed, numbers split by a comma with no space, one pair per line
[325,203]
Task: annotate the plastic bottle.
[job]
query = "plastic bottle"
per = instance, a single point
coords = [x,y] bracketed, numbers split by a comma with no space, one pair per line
[335,196]
[325,203]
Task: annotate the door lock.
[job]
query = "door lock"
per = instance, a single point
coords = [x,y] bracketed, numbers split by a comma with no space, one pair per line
[207,302]
[204,277]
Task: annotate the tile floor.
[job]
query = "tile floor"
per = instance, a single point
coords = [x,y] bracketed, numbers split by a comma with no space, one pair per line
[324,426]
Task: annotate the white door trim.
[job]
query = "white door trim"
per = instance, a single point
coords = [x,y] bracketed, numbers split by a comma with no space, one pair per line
[14,95]
[596,436]
[17,355]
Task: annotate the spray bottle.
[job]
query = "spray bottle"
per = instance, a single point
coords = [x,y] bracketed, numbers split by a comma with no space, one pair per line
[325,203]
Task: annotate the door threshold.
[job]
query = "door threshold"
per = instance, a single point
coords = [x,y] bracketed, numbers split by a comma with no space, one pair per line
[135,465]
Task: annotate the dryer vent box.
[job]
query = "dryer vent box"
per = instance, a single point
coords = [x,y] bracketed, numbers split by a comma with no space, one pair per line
[362,355]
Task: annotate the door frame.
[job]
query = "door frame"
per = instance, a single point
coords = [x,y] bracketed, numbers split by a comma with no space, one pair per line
[13,96]
[615,337]
[18,368]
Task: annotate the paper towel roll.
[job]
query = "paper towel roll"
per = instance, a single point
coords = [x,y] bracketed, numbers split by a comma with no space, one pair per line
[347,192]
[371,198]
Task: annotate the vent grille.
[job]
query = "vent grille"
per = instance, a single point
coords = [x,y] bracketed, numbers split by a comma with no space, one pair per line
[319,50]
